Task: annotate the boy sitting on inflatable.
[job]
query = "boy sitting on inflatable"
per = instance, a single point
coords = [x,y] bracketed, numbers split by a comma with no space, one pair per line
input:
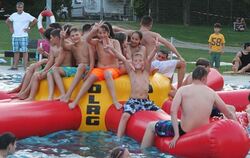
[188,98]
[138,72]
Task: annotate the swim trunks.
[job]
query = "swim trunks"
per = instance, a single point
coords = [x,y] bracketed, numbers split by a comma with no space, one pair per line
[69,71]
[134,105]
[215,113]
[165,129]
[99,72]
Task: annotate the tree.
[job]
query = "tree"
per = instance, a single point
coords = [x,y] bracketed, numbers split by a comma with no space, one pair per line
[141,7]
[186,12]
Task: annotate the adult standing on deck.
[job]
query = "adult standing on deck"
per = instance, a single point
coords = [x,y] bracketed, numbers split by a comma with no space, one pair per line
[20,24]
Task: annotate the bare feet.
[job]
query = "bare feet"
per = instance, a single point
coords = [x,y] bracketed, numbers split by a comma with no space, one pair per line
[118,106]
[65,98]
[72,105]
[29,99]
[50,98]
[22,96]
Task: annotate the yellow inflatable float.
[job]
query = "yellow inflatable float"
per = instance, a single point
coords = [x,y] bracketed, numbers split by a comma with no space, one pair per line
[96,102]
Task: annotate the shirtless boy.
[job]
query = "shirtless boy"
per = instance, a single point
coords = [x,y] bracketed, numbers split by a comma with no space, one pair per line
[148,42]
[139,78]
[55,49]
[63,66]
[188,98]
[107,66]
[84,56]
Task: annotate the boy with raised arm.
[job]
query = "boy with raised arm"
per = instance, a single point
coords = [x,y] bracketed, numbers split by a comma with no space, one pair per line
[148,41]
[107,66]
[138,73]
[84,56]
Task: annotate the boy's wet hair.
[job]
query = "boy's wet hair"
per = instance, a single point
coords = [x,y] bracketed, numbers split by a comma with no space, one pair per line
[47,33]
[111,32]
[139,34]
[121,37]
[6,139]
[217,25]
[117,152]
[199,72]
[247,44]
[105,27]
[146,20]
[74,29]
[162,51]
[202,62]
[68,28]
[55,26]
[137,54]
[55,33]
[86,27]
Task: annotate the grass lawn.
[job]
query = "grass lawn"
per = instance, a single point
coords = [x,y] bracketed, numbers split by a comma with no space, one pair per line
[196,34]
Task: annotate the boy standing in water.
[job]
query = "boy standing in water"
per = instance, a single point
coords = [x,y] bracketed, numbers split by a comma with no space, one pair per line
[216,46]
[107,66]
[139,78]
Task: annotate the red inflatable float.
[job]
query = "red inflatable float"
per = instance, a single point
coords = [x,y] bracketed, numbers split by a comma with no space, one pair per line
[220,139]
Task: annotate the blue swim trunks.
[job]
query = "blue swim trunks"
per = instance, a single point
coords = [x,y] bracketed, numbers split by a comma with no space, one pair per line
[165,129]
[133,105]
[69,71]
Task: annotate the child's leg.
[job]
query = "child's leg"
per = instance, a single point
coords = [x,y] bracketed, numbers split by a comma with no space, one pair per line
[181,66]
[58,73]
[244,69]
[85,87]
[34,87]
[122,124]
[212,59]
[149,135]
[51,85]
[217,60]
[111,87]
[80,70]
[28,75]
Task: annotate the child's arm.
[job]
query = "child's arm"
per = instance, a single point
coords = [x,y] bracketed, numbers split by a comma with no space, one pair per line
[64,44]
[128,65]
[92,33]
[152,55]
[169,45]
[91,61]
[126,31]
[60,59]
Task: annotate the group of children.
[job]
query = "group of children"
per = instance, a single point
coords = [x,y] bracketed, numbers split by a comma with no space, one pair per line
[96,53]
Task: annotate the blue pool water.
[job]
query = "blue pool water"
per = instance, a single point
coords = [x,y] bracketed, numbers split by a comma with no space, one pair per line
[75,144]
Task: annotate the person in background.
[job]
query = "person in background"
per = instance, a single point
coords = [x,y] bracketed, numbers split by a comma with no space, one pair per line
[20,24]
[7,144]
[216,46]
[241,62]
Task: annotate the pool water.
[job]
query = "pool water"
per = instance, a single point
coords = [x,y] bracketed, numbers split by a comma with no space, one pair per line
[75,144]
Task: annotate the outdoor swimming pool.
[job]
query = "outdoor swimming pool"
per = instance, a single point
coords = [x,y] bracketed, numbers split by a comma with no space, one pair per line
[75,144]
